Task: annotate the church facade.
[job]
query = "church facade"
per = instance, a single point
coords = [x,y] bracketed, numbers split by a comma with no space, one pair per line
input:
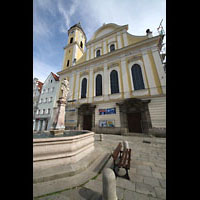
[117,81]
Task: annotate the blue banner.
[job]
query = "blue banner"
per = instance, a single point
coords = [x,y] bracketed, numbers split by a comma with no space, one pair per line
[107,111]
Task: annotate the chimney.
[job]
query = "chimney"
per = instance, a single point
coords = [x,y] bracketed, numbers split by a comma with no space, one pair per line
[149,33]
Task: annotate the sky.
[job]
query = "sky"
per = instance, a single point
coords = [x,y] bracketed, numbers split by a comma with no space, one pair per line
[53,18]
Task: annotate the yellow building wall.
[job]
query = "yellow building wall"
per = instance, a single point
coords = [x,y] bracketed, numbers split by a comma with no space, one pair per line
[68,56]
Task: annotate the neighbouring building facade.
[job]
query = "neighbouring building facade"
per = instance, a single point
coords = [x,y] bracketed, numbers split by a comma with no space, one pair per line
[37,87]
[46,104]
[118,84]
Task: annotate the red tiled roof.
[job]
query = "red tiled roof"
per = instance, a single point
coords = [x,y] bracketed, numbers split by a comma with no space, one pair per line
[55,77]
[39,85]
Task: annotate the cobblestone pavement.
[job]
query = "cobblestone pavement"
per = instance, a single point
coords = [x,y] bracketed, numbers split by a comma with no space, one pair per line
[147,173]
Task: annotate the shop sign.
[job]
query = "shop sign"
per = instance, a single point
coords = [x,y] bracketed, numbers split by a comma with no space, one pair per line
[106,123]
[107,111]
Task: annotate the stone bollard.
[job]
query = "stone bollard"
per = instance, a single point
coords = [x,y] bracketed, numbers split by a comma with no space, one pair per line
[125,145]
[101,137]
[109,185]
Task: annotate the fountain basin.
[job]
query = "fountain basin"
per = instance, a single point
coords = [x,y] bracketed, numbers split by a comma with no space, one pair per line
[53,151]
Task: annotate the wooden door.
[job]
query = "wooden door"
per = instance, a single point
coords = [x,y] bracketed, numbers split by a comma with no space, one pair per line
[87,122]
[134,122]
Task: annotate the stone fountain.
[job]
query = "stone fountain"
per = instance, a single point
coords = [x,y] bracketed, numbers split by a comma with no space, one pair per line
[58,126]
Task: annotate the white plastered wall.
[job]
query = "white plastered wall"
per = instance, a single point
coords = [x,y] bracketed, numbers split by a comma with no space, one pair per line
[115,117]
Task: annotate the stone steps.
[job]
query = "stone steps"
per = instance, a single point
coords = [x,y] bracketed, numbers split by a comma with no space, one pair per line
[51,183]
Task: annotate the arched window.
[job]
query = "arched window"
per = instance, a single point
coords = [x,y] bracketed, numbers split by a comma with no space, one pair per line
[98,53]
[81,44]
[114,82]
[99,85]
[71,40]
[138,82]
[112,47]
[84,88]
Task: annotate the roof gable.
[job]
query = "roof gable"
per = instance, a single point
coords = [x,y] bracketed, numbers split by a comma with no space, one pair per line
[104,30]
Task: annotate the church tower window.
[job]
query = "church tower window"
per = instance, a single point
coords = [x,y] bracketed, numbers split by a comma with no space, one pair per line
[71,40]
[138,82]
[114,82]
[67,63]
[98,53]
[81,44]
[112,47]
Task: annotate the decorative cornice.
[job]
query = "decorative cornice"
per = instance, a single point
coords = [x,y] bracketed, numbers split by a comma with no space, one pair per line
[98,69]
[115,64]
[134,58]
[135,46]
[84,73]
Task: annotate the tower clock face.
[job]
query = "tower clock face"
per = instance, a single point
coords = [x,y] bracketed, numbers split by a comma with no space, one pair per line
[72,32]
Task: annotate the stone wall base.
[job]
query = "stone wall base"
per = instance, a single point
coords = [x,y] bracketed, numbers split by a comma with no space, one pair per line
[113,130]
[158,132]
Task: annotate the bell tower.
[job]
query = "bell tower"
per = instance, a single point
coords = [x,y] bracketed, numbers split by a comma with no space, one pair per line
[75,46]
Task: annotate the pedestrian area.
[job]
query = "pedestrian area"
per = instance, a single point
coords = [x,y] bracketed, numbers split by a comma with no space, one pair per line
[147,172]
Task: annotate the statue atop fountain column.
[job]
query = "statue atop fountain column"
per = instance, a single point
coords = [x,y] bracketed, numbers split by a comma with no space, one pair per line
[59,121]
[64,89]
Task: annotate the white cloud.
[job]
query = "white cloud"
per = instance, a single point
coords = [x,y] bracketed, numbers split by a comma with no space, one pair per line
[67,11]
[41,70]
[138,14]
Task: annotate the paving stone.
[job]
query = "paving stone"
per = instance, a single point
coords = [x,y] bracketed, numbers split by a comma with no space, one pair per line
[54,197]
[144,172]
[159,169]
[162,183]
[163,175]
[120,193]
[94,185]
[151,181]
[160,192]
[129,195]
[145,189]
[137,178]
[157,175]
[85,193]
[143,167]
[125,184]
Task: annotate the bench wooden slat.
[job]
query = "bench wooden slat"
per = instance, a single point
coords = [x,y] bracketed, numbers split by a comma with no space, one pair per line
[117,151]
[129,159]
[122,159]
[125,159]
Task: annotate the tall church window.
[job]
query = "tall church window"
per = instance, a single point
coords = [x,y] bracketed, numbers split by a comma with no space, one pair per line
[71,40]
[99,85]
[138,82]
[98,53]
[84,88]
[112,47]
[114,82]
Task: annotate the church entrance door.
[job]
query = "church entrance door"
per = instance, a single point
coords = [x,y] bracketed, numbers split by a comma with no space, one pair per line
[134,122]
[87,122]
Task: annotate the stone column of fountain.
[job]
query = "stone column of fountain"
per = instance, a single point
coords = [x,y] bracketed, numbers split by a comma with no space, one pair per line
[59,121]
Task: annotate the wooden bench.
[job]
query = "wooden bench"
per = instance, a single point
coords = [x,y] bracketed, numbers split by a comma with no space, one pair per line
[117,154]
[121,159]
